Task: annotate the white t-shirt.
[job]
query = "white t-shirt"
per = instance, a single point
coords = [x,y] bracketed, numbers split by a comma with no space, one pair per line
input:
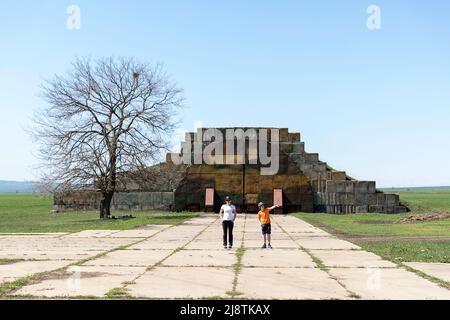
[228,212]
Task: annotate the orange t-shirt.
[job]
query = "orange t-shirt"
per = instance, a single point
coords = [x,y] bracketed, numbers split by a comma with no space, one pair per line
[263,216]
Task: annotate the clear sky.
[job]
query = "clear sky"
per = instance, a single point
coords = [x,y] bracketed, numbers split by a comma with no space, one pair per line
[375,103]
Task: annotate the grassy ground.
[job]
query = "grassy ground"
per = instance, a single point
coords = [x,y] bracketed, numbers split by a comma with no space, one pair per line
[391,242]
[31,213]
[409,251]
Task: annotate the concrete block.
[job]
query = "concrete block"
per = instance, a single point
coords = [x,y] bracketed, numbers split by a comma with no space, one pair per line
[361,199]
[361,209]
[392,200]
[372,199]
[311,157]
[294,136]
[349,199]
[320,198]
[286,147]
[376,209]
[332,198]
[361,187]
[284,134]
[389,209]
[349,186]
[331,186]
[371,186]
[320,166]
[338,175]
[296,157]
[298,147]
[340,186]
[305,167]
[381,199]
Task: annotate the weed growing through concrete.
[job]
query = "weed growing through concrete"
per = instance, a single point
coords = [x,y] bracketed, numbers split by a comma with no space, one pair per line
[237,268]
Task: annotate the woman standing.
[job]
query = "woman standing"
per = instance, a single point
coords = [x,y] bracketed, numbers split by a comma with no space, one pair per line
[227,215]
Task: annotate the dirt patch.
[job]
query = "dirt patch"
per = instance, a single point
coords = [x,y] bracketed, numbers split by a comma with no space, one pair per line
[67,274]
[375,222]
[425,217]
[10,261]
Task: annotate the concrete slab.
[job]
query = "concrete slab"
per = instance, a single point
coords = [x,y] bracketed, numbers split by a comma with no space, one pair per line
[37,234]
[257,228]
[204,269]
[202,220]
[377,283]
[210,245]
[166,236]
[91,234]
[438,270]
[48,255]
[183,282]
[151,244]
[155,227]
[351,258]
[288,283]
[282,258]
[130,258]
[83,281]
[137,233]
[14,271]
[202,258]
[278,244]
[325,243]
[259,236]
[217,236]
[309,234]
[184,229]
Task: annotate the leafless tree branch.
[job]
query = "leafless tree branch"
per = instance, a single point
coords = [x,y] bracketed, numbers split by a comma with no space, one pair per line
[104,118]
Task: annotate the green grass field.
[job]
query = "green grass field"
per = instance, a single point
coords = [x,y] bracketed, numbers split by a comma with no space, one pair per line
[420,201]
[411,251]
[28,213]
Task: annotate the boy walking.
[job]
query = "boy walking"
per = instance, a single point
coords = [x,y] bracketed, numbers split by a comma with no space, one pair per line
[264,218]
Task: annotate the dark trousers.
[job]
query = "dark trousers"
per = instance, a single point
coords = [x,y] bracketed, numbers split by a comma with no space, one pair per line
[227,226]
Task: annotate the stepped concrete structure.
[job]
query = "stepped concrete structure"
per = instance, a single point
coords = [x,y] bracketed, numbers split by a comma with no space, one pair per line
[214,163]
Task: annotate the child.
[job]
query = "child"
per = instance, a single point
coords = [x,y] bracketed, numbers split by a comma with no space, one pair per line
[264,218]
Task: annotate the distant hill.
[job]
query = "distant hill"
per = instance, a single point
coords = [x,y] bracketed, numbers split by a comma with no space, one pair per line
[33,186]
[418,189]
[18,186]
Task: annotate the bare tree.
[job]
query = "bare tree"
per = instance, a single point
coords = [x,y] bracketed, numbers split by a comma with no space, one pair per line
[104,118]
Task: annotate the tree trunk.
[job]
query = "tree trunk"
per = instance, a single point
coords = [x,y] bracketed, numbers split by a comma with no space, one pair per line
[105,205]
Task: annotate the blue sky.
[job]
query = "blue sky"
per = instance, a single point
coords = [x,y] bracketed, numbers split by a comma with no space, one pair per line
[375,103]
